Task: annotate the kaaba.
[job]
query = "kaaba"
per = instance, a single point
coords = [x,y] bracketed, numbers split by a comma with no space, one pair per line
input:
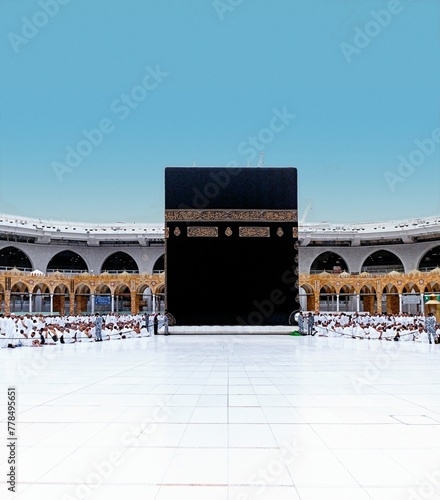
[231,246]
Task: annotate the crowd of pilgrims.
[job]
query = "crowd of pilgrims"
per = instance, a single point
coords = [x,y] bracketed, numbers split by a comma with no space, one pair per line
[399,327]
[37,330]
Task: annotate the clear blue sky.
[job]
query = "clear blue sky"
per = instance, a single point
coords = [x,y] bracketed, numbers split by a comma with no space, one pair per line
[357,86]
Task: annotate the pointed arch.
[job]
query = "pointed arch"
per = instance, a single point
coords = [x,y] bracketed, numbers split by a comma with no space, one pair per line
[382,262]
[67,261]
[11,257]
[430,260]
[330,262]
[118,262]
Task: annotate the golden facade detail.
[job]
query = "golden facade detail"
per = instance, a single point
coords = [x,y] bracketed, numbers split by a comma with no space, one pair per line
[371,289]
[72,291]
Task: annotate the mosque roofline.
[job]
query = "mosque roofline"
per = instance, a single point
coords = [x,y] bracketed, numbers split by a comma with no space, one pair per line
[45,230]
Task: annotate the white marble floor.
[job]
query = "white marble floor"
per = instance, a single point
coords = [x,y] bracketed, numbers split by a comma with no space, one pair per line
[224,418]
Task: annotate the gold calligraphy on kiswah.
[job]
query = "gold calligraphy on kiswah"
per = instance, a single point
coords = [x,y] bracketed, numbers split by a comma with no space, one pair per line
[190,215]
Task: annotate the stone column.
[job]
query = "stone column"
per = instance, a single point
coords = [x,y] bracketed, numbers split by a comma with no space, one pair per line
[72,304]
[338,304]
[62,305]
[134,303]
[92,303]
[7,302]
[379,302]
[30,303]
[51,303]
[317,303]
[112,303]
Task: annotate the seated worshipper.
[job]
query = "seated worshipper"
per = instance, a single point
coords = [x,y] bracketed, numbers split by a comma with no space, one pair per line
[348,330]
[389,333]
[380,330]
[375,332]
[126,331]
[75,332]
[42,334]
[117,332]
[408,333]
[331,329]
[34,334]
[359,332]
[67,335]
[54,333]
[144,330]
[422,335]
[29,340]
[111,331]
[105,332]
[83,334]
[88,333]
[92,331]
[320,329]
[326,327]
[40,322]
[344,319]
[136,331]
[338,330]
[368,331]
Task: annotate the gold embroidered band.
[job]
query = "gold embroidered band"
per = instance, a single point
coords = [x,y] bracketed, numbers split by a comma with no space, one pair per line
[191,215]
